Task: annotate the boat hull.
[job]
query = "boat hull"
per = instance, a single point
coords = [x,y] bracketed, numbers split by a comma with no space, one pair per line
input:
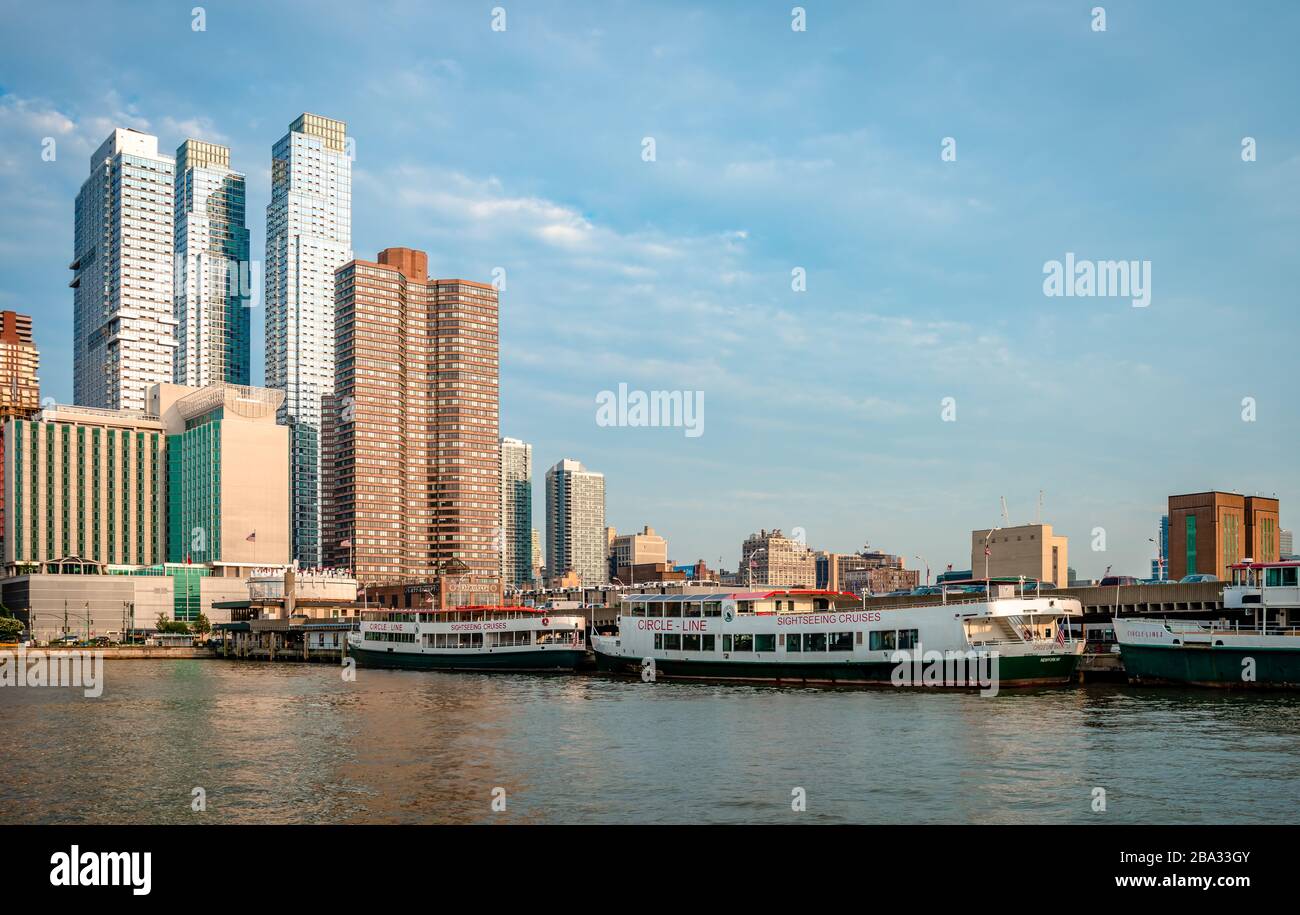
[1013,671]
[539,660]
[1218,666]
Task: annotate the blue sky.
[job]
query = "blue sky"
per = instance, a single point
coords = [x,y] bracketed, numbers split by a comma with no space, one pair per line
[775,149]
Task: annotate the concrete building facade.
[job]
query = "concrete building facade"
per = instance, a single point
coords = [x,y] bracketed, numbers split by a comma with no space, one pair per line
[227,474]
[1031,550]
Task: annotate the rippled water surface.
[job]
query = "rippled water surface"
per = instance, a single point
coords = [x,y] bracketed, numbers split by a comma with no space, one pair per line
[290,743]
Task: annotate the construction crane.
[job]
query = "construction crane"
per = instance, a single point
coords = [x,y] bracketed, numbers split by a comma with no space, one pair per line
[1006,519]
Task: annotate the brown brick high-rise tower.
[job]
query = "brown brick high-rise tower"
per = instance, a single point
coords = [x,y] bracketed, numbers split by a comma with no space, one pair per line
[410,440]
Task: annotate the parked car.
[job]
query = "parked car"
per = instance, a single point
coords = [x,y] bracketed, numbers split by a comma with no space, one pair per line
[1111,581]
[1197,577]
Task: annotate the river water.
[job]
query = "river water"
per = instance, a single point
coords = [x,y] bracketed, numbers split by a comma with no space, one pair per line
[296,743]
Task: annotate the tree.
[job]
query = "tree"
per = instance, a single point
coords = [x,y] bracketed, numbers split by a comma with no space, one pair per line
[202,626]
[10,629]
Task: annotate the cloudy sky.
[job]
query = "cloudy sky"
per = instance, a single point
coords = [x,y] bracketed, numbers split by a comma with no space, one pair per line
[774,150]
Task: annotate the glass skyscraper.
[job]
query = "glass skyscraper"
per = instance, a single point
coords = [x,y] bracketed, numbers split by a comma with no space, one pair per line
[123,324]
[308,236]
[213,277]
[516,512]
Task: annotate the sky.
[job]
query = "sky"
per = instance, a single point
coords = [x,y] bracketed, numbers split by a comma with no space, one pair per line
[920,164]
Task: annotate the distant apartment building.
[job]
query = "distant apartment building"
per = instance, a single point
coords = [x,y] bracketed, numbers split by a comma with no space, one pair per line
[576,540]
[771,559]
[308,237]
[412,465]
[1286,545]
[537,555]
[20,388]
[868,570]
[516,512]
[213,276]
[227,476]
[1209,531]
[123,322]
[640,557]
[1031,550]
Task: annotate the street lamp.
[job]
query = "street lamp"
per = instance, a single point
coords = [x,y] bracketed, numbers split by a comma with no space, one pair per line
[986,554]
[924,562]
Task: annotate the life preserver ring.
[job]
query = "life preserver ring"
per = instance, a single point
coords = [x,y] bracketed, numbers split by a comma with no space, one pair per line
[546,621]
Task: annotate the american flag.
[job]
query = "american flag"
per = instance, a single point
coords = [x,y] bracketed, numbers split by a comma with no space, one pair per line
[1060,634]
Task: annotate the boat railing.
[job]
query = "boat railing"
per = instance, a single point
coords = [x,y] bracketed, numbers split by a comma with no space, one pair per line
[1179,627]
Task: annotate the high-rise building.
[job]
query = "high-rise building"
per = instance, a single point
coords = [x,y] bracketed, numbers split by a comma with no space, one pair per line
[516,512]
[20,389]
[123,323]
[537,555]
[308,237]
[227,474]
[771,559]
[1160,565]
[867,570]
[213,275]
[413,466]
[1286,544]
[1031,550]
[575,523]
[1209,531]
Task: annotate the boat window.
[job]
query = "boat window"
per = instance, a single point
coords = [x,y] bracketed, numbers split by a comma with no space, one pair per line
[814,641]
[841,641]
[1289,577]
[883,640]
[765,641]
[690,642]
[673,609]
[726,643]
[659,640]
[637,610]
[908,638]
[712,608]
[794,642]
[859,639]
[672,641]
[707,643]
[821,603]
[745,606]
[692,608]
[1273,578]
[743,642]
[654,610]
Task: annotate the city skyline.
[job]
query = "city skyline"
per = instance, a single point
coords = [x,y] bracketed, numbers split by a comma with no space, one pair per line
[922,283]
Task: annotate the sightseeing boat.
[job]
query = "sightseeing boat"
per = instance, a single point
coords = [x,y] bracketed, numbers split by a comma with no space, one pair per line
[1259,646]
[805,636]
[485,638]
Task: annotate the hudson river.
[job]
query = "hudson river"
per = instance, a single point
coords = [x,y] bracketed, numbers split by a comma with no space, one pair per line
[291,743]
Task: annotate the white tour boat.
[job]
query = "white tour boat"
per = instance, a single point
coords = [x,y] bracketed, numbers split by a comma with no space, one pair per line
[805,636]
[470,638]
